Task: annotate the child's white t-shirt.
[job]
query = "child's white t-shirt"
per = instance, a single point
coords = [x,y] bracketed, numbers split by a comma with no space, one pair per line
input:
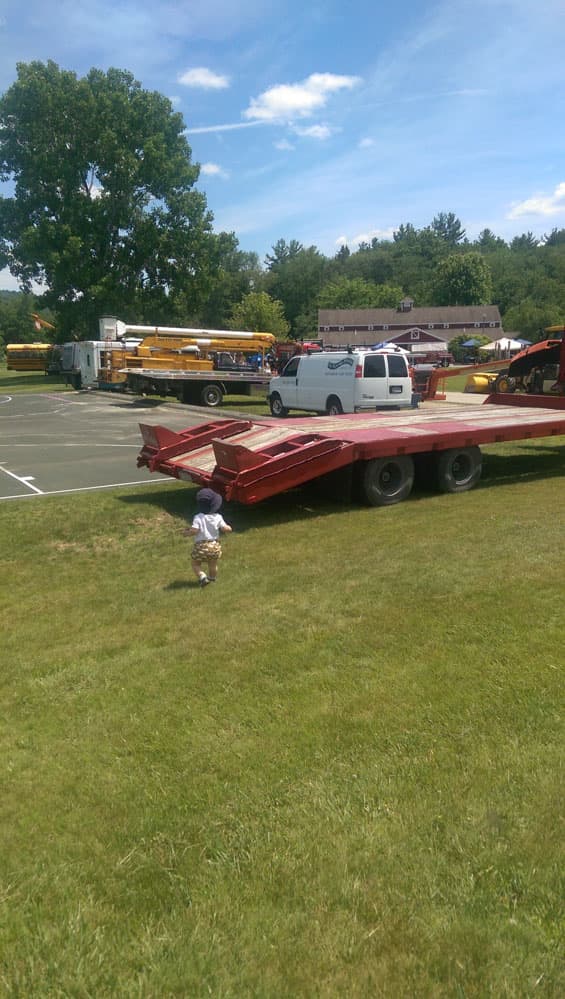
[208,526]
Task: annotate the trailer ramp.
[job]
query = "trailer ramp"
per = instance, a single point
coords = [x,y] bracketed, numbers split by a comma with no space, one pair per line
[243,460]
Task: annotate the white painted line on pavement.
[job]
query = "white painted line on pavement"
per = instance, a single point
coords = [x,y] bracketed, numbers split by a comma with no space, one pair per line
[22,478]
[87,489]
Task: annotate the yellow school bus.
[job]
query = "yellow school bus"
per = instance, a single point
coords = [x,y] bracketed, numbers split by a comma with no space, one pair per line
[27,356]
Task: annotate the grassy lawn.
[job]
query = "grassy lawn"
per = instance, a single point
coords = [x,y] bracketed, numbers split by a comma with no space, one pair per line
[335,773]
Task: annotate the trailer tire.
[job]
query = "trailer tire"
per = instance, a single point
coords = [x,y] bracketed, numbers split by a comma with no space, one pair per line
[211,395]
[333,406]
[276,406]
[387,480]
[458,469]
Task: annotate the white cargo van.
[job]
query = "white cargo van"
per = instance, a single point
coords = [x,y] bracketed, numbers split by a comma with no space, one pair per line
[342,381]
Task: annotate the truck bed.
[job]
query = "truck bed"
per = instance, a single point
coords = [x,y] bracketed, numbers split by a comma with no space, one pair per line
[249,460]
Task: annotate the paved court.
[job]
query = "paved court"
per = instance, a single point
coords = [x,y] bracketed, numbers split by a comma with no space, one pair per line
[62,442]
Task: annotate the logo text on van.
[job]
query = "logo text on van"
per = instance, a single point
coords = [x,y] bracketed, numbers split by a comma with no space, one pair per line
[332,365]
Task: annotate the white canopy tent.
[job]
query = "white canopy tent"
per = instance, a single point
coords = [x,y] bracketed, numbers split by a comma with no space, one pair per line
[503,346]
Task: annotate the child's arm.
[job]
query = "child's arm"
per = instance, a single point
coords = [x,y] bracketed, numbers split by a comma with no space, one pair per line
[226,529]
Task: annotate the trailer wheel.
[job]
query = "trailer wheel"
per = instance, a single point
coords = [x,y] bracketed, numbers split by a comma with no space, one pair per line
[388,480]
[459,469]
[211,395]
[276,406]
[333,406]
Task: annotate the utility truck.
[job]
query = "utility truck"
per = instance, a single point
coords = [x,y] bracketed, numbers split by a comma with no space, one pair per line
[194,365]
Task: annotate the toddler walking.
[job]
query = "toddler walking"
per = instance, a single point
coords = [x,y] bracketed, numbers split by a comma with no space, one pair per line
[207,526]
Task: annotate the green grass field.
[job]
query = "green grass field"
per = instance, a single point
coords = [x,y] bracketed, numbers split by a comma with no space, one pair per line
[335,773]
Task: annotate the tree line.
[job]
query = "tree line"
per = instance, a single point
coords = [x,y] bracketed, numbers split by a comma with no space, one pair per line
[106,216]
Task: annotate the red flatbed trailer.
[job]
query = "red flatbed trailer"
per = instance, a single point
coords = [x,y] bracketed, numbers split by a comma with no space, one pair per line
[250,460]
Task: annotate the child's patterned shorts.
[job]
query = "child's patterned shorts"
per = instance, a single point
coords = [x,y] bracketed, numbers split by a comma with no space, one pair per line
[205,550]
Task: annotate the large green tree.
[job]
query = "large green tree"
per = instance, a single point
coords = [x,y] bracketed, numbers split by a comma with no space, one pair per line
[259,313]
[296,280]
[462,279]
[104,213]
[448,228]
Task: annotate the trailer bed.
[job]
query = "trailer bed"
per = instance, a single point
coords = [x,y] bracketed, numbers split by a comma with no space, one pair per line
[249,460]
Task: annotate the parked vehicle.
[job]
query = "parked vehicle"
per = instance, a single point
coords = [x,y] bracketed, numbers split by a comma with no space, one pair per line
[347,381]
[197,366]
[27,356]
[537,370]
[379,454]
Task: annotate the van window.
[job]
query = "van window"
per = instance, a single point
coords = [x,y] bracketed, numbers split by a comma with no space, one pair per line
[291,368]
[397,366]
[374,366]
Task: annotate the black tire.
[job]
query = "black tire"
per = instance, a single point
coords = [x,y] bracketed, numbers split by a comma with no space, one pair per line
[387,480]
[459,469]
[504,384]
[211,395]
[276,406]
[333,406]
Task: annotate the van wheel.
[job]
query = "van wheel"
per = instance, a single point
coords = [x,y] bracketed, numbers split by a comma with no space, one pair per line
[333,406]
[276,406]
[211,395]
[458,469]
[388,480]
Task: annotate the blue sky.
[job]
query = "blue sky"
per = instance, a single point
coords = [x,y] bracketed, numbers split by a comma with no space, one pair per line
[332,122]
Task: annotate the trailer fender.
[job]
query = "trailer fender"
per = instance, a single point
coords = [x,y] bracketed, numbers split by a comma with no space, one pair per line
[385,481]
[458,469]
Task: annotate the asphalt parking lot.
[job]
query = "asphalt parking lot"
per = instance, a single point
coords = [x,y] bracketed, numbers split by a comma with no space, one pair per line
[65,442]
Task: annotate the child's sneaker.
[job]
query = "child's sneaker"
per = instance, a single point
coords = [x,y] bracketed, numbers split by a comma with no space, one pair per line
[210,579]
[203,581]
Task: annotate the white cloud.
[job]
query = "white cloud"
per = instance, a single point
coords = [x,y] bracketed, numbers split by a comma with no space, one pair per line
[289,101]
[199,76]
[223,128]
[283,144]
[341,241]
[366,143]
[366,237]
[314,131]
[540,204]
[213,170]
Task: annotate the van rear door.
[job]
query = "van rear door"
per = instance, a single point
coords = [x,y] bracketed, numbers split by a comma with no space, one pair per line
[399,381]
[385,382]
